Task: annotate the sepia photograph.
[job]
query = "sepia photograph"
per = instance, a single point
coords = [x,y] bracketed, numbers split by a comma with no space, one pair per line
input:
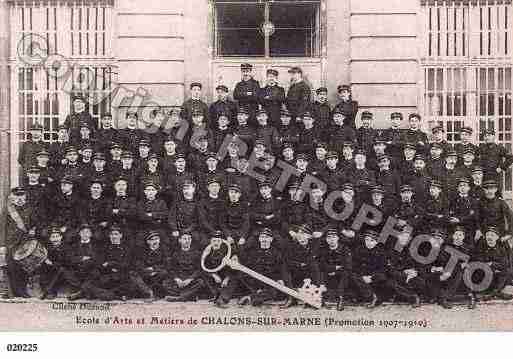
[255,165]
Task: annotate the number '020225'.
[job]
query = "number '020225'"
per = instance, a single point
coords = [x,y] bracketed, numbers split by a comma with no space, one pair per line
[22,347]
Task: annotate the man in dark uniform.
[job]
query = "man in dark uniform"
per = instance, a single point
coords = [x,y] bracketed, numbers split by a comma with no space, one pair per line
[339,132]
[301,259]
[309,135]
[184,212]
[415,135]
[152,213]
[114,264]
[394,136]
[151,263]
[57,149]
[419,179]
[466,142]
[129,172]
[265,211]
[33,145]
[177,178]
[436,162]
[106,135]
[246,92]
[266,260]
[20,226]
[490,250]
[94,206]
[210,209]
[321,109]
[244,131]
[98,172]
[437,208]
[369,264]
[65,206]
[288,130]
[122,209]
[298,96]
[185,280]
[463,209]
[408,212]
[336,266]
[223,105]
[439,139]
[346,105]
[195,103]
[234,218]
[79,115]
[449,176]
[388,178]
[295,210]
[366,135]
[131,134]
[477,191]
[58,260]
[494,211]
[495,159]
[266,131]
[403,273]
[272,97]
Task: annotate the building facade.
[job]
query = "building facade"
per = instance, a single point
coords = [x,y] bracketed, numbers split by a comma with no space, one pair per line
[450,60]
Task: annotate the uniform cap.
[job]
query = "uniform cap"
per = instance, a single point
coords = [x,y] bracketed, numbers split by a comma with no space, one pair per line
[302,156]
[321,144]
[234,187]
[435,183]
[410,146]
[242,109]
[71,149]
[284,112]
[222,88]
[468,149]
[332,154]
[367,114]
[246,66]
[463,180]
[287,145]
[216,234]
[211,155]
[295,69]
[490,183]
[272,72]
[67,179]
[477,169]
[152,235]
[378,189]
[438,128]
[33,169]
[115,145]
[305,228]
[266,231]
[147,184]
[347,186]
[383,157]
[332,232]
[321,90]
[396,115]
[261,111]
[99,156]
[196,84]
[360,151]
[18,191]
[36,126]
[406,187]
[436,145]
[42,153]
[341,88]
[370,233]
[152,156]
[144,142]
[127,154]
[121,178]
[452,153]
[468,130]
[493,229]
[419,157]
[306,114]
[489,131]
[414,115]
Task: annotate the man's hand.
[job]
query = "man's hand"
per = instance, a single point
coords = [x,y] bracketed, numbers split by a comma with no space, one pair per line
[367,279]
[32,231]
[105,264]
[454,220]
[401,223]
[348,233]
[49,262]
[499,170]
[103,224]
[217,278]
[86,258]
[175,233]
[225,282]
[444,276]
[187,282]
[338,267]
[115,210]
[179,282]
[317,234]
[230,239]
[149,214]
[269,216]
[242,241]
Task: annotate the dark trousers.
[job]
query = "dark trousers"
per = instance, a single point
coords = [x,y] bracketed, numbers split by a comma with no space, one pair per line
[17,277]
[259,291]
[185,293]
[438,289]
[66,277]
[338,282]
[366,290]
[397,282]
[145,283]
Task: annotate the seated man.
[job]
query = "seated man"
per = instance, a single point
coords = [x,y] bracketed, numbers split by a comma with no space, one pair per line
[496,254]
[185,273]
[218,283]
[301,259]
[56,266]
[336,266]
[151,267]
[266,260]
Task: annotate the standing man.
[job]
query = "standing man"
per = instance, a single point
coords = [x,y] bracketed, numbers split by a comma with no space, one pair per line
[298,96]
[223,105]
[246,92]
[346,105]
[74,120]
[272,97]
[194,103]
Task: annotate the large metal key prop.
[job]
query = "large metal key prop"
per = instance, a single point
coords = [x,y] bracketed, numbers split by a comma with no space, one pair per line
[308,293]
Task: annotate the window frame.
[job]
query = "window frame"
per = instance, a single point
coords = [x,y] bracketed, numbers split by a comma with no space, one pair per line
[317,37]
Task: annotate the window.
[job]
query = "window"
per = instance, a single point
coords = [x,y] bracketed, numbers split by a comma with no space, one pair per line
[77,30]
[467,66]
[262,28]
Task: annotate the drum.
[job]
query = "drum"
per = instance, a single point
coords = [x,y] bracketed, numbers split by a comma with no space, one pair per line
[30,255]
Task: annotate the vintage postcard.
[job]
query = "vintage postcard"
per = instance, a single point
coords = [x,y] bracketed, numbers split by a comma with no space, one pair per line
[256,165]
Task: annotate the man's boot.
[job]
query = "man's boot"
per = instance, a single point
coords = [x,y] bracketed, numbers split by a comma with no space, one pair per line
[340,304]
[472,303]
[290,302]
